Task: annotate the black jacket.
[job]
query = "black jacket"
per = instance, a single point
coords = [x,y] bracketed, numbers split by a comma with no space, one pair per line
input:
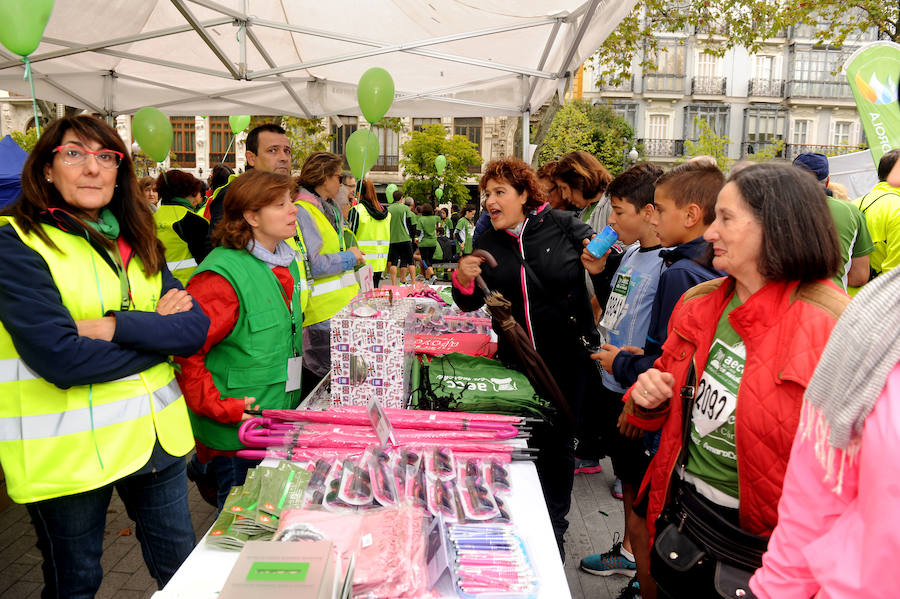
[554,308]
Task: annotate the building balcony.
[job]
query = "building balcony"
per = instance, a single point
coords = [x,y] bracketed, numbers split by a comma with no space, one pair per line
[791,151]
[825,90]
[749,148]
[663,83]
[766,88]
[387,163]
[626,86]
[708,86]
[662,148]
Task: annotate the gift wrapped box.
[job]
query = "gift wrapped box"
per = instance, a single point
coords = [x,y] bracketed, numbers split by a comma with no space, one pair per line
[372,342]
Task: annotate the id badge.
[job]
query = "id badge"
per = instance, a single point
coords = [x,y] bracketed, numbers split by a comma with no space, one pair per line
[294,370]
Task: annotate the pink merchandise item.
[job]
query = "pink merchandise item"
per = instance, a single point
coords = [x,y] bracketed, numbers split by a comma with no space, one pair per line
[388,544]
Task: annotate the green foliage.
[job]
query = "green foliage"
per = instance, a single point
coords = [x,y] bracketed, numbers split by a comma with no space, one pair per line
[709,144]
[306,136]
[771,150]
[579,125]
[25,140]
[724,24]
[419,152]
[394,123]
[570,131]
[143,163]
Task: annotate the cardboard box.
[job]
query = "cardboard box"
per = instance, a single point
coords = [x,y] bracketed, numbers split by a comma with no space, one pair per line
[372,342]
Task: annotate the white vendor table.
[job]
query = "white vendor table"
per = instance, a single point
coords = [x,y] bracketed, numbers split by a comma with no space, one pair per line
[203,574]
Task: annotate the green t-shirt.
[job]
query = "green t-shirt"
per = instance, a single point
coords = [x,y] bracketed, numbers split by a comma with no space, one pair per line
[428,225]
[712,453]
[402,219]
[464,232]
[853,235]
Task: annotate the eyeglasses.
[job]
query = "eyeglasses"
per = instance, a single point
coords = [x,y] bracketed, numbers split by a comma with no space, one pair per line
[75,156]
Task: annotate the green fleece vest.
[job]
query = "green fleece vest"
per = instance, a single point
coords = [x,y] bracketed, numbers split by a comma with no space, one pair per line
[252,360]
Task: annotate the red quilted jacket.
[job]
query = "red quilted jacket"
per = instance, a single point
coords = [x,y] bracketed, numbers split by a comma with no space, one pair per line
[784,327]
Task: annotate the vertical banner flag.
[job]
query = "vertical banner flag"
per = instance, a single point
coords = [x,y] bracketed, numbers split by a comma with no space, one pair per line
[874,73]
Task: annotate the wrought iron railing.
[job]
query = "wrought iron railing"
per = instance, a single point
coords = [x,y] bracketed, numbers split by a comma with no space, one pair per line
[662,148]
[768,88]
[663,82]
[710,86]
[836,90]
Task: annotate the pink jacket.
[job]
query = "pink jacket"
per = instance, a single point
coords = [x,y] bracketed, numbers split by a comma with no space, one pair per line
[835,546]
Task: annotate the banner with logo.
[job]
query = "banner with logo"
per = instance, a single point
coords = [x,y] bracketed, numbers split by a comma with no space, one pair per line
[874,72]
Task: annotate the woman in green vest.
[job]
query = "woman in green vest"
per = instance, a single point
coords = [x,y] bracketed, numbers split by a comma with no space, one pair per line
[89,314]
[428,247]
[178,225]
[249,285]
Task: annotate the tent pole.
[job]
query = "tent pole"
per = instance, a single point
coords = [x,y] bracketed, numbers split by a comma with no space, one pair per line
[526,134]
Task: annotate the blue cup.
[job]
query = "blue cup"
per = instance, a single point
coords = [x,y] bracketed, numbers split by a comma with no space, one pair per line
[602,241]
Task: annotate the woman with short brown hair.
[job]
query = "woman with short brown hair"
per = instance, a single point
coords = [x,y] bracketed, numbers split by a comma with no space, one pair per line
[249,287]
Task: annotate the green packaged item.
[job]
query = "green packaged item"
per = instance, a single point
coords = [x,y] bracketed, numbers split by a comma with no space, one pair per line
[463,383]
[223,534]
[281,488]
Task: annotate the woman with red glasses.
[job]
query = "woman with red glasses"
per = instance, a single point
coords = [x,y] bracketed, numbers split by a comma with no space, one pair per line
[90,315]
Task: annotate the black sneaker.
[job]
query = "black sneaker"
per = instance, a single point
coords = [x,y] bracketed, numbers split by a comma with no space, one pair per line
[632,590]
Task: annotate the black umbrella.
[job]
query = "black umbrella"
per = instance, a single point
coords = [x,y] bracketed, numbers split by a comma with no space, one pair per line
[533,365]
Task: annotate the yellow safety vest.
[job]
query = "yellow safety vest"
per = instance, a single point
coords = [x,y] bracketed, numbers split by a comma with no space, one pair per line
[332,292]
[178,256]
[304,267]
[374,237]
[56,442]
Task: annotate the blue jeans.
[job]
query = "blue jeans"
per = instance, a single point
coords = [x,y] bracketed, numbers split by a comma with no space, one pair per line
[70,530]
[228,472]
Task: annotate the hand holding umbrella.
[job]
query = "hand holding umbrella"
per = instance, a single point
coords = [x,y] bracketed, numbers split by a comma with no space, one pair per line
[501,309]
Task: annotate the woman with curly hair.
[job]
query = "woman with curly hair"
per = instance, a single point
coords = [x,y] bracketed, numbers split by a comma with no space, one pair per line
[539,270]
[249,288]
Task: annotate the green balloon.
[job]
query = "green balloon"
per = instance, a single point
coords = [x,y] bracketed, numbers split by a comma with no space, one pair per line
[23,24]
[153,132]
[438,193]
[375,93]
[440,163]
[389,192]
[361,151]
[238,122]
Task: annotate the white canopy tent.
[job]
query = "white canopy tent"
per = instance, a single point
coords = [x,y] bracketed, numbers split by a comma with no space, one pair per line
[222,57]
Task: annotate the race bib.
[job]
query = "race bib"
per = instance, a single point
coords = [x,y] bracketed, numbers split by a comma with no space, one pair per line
[615,305]
[718,387]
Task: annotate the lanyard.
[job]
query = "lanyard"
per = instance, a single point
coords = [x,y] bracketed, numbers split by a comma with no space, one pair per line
[293,306]
[307,265]
[339,225]
[124,283]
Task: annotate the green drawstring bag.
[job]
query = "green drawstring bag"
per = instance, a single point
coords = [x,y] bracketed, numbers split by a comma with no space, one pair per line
[463,383]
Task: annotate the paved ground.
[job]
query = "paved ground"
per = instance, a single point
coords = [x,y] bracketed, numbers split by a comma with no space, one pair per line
[594,517]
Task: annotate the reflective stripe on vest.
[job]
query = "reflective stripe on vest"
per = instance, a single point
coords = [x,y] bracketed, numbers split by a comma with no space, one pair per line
[15,369]
[70,422]
[187,263]
[369,243]
[346,280]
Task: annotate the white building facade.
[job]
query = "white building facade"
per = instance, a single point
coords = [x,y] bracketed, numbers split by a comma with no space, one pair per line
[788,91]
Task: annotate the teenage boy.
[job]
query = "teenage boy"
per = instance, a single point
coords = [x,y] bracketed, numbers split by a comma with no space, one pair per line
[684,206]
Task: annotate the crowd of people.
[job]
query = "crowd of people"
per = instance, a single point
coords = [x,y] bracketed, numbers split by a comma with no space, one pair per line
[713,353]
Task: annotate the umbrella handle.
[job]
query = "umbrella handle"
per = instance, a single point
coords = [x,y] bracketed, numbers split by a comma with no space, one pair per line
[491,261]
